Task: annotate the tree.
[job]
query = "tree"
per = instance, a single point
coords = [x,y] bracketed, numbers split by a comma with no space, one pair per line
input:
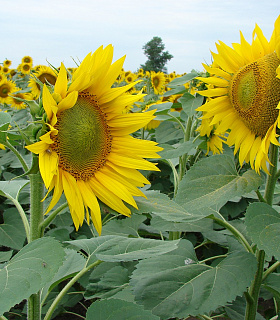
[157,58]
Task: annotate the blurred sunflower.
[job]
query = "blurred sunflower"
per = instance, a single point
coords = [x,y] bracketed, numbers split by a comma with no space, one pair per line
[25,68]
[7,63]
[27,59]
[6,88]
[45,75]
[157,81]
[88,152]
[15,99]
[245,95]
[5,70]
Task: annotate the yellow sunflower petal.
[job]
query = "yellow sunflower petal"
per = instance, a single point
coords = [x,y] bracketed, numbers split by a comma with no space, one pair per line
[60,86]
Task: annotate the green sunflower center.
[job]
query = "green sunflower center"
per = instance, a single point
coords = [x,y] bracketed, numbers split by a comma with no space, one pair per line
[255,93]
[83,141]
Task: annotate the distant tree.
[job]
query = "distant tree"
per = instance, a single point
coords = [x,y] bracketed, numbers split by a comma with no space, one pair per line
[157,58]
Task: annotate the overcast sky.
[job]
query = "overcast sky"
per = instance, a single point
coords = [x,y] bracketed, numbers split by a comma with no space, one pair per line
[56,30]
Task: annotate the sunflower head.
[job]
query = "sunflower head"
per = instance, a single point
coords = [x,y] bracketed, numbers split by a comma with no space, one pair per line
[7,63]
[88,152]
[27,59]
[244,93]
[44,75]
[158,81]
[6,88]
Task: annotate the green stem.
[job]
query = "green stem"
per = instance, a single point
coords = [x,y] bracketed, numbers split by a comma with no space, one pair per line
[234,231]
[261,198]
[23,217]
[174,235]
[36,218]
[272,176]
[270,269]
[51,216]
[175,176]
[67,287]
[19,156]
[3,318]
[254,291]
[212,258]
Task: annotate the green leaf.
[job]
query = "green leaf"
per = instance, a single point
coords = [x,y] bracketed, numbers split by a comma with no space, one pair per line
[162,225]
[73,263]
[161,205]
[124,227]
[179,150]
[175,90]
[117,248]
[182,290]
[190,103]
[106,280]
[11,189]
[182,80]
[263,225]
[5,120]
[116,309]
[12,233]
[5,255]
[29,271]
[213,181]
[168,131]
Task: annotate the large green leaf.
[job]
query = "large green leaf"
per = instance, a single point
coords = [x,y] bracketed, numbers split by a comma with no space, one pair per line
[29,271]
[160,204]
[106,280]
[179,290]
[124,227]
[11,189]
[179,149]
[118,248]
[263,225]
[190,103]
[213,181]
[162,225]
[182,80]
[116,309]
[12,232]
[73,263]
[168,131]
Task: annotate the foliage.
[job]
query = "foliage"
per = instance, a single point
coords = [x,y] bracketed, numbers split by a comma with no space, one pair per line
[191,250]
[157,58]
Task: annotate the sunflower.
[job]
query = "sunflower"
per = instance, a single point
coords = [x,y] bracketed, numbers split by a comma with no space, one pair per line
[25,68]
[6,88]
[7,63]
[5,70]
[45,75]
[157,81]
[27,59]
[88,152]
[213,137]
[16,99]
[244,94]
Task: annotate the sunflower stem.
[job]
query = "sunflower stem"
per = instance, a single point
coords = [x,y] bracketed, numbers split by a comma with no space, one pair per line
[272,176]
[67,287]
[234,231]
[51,216]
[36,218]
[254,290]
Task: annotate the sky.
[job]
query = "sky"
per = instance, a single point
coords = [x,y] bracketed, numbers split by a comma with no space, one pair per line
[57,31]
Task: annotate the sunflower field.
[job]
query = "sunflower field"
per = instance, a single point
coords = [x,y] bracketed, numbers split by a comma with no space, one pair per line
[143,195]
